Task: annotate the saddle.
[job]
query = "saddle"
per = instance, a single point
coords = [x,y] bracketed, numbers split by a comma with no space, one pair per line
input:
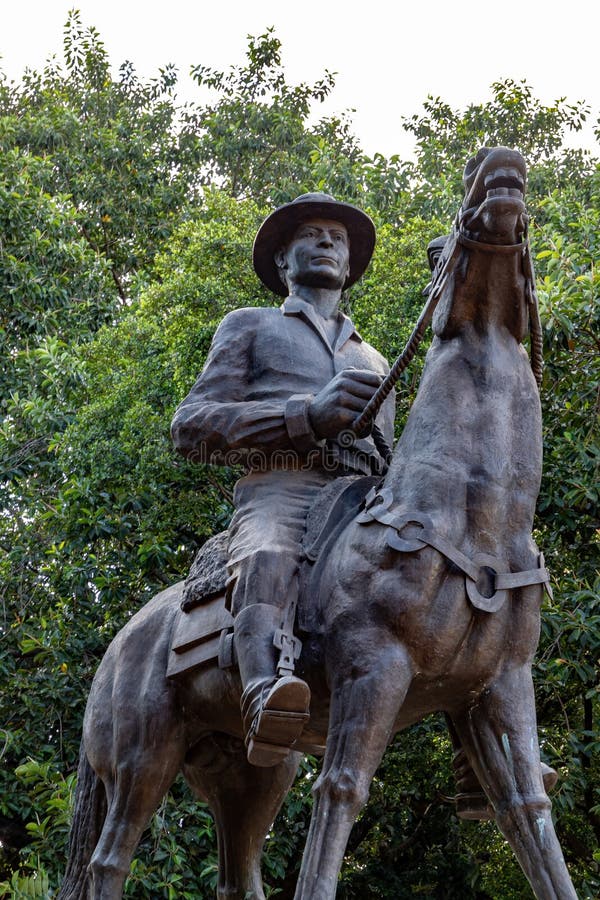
[203,629]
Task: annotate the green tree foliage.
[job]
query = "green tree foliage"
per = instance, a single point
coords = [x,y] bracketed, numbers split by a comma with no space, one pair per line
[446,138]
[256,141]
[569,675]
[116,148]
[126,226]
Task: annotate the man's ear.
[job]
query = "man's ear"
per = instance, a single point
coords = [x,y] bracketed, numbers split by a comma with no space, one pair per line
[281,263]
[347,274]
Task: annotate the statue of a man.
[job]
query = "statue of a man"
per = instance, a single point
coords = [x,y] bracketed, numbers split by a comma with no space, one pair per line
[279,387]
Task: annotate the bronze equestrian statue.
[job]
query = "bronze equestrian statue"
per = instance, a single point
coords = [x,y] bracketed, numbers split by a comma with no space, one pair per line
[424,596]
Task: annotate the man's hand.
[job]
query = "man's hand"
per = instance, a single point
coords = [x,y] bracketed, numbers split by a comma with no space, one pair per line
[335,408]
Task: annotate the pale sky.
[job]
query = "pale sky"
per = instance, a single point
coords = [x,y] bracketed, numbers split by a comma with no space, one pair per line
[388,56]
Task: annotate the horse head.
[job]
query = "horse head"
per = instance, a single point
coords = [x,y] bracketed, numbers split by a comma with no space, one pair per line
[482,272]
[493,210]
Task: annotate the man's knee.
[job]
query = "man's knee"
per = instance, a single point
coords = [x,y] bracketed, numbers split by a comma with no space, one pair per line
[267,576]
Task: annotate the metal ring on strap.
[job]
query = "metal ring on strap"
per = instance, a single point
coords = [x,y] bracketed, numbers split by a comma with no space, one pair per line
[488,579]
[490,570]
[409,545]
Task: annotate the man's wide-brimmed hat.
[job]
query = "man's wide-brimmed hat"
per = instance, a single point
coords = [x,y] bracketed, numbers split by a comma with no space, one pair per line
[278,228]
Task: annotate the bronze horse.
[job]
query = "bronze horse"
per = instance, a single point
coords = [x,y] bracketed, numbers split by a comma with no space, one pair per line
[433,597]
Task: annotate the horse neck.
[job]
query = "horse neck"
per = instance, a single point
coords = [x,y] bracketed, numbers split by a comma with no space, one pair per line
[472,442]
[486,292]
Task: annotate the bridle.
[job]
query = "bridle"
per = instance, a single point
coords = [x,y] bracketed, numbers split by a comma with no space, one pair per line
[490,248]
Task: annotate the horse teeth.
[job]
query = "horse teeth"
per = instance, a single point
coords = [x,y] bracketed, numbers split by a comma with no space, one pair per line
[515,192]
[499,192]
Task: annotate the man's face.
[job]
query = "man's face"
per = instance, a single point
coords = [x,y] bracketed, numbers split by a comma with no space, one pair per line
[318,255]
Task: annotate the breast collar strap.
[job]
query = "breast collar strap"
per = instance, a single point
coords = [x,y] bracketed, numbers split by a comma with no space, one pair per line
[479,570]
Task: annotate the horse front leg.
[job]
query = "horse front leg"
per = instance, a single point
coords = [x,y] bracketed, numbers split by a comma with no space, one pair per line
[499,735]
[367,692]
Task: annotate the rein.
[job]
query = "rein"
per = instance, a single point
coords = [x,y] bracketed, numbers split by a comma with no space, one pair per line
[457,240]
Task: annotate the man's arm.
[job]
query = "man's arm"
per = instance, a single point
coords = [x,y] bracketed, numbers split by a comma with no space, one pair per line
[216,418]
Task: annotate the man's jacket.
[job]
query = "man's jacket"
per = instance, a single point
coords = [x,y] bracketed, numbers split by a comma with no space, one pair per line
[250,403]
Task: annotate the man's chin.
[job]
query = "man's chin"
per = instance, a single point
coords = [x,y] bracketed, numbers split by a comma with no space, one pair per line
[321,280]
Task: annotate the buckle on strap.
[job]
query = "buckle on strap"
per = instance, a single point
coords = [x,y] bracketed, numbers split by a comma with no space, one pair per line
[377,501]
[290,647]
[281,640]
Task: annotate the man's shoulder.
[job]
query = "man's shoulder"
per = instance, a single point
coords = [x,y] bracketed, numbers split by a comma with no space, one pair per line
[248,318]
[378,359]
[251,315]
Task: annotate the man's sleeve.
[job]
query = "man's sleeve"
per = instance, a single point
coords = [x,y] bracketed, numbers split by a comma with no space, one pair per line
[215,423]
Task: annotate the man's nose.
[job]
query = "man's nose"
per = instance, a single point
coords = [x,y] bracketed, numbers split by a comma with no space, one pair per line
[325,239]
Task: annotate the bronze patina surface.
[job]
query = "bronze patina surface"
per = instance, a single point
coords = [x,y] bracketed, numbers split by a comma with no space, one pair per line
[428,599]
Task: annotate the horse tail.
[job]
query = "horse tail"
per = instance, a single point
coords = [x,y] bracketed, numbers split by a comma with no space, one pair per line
[88,819]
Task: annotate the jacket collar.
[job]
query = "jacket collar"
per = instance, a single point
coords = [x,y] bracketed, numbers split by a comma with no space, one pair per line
[295,306]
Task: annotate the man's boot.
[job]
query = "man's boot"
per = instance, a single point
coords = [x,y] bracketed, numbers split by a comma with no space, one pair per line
[274,709]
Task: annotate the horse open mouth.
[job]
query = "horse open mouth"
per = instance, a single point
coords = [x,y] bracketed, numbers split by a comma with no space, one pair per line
[504,183]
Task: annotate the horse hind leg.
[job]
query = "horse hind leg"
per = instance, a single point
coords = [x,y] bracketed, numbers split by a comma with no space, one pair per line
[135,744]
[499,735]
[138,786]
[244,801]
[134,793]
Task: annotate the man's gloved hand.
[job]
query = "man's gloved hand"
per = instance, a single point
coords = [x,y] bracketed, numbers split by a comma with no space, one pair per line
[337,405]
